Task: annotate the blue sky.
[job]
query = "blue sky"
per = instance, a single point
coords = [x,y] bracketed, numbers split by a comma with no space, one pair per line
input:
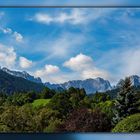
[68,44]
[70,2]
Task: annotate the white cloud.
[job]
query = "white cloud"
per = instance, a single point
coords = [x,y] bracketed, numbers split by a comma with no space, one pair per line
[50,69]
[75,16]
[43,18]
[53,74]
[84,65]
[130,64]
[94,73]
[65,44]
[79,62]
[48,73]
[121,62]
[7,56]
[18,36]
[7,31]
[25,63]
[62,46]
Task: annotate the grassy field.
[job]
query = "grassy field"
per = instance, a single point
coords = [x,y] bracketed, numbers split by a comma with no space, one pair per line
[40,102]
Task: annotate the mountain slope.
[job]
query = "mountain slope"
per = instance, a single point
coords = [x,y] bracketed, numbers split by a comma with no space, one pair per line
[11,81]
[135,80]
[23,74]
[10,84]
[90,85]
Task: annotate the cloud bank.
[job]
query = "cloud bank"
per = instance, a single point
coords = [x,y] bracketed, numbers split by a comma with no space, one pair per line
[74,16]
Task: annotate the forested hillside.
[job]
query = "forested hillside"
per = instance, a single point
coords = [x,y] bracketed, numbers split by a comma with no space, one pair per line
[10,84]
[71,110]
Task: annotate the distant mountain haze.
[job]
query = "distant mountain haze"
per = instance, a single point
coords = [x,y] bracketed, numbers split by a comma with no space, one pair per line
[135,80]
[90,85]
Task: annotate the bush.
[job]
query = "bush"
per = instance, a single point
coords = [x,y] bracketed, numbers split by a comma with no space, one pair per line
[47,93]
[4,128]
[52,127]
[106,107]
[17,119]
[43,117]
[61,103]
[100,97]
[129,124]
[84,120]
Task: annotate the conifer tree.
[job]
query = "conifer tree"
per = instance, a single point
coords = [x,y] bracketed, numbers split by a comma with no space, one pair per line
[126,102]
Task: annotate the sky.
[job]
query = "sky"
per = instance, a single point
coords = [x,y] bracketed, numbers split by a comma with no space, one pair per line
[65,44]
[69,2]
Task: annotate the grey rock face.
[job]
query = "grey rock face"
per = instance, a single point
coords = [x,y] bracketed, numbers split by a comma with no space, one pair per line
[90,85]
[23,74]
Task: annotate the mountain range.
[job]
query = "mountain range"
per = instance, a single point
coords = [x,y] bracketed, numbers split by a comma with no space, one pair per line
[10,84]
[23,74]
[135,80]
[90,85]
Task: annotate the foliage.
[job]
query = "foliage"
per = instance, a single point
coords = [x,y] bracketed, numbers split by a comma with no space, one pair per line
[83,120]
[61,103]
[129,124]
[126,102]
[68,110]
[106,107]
[40,103]
[100,97]
[18,119]
[47,93]
[75,96]
[43,118]
[4,128]
[86,102]
[9,118]
[3,98]
[53,125]
[20,99]
[10,84]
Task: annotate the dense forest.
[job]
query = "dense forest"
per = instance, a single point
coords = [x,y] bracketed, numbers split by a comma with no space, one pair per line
[10,84]
[71,110]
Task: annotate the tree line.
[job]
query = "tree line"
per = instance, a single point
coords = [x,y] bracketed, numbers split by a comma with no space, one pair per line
[71,110]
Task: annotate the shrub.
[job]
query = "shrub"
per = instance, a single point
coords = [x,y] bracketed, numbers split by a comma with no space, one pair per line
[129,124]
[61,103]
[100,97]
[106,107]
[4,128]
[17,119]
[47,93]
[83,120]
[43,117]
[53,124]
